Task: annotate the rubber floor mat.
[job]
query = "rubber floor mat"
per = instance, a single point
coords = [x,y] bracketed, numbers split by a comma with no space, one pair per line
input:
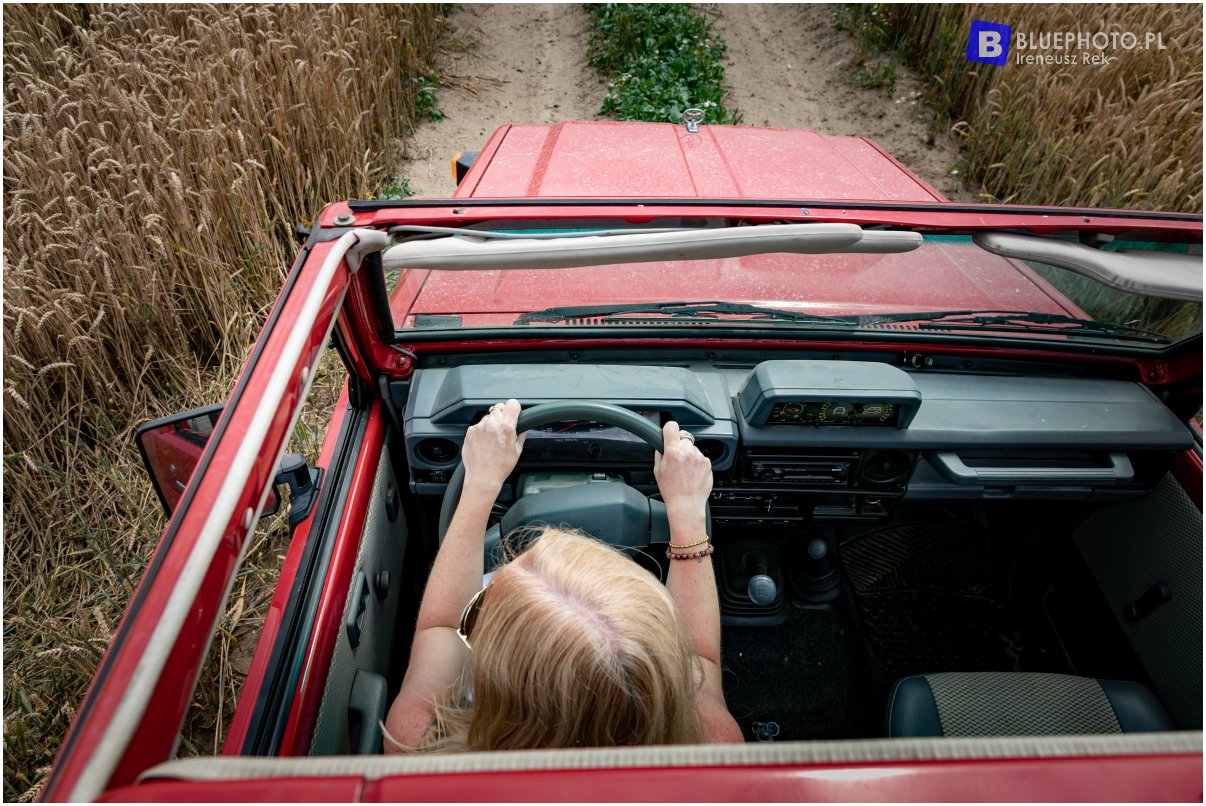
[812,676]
[929,599]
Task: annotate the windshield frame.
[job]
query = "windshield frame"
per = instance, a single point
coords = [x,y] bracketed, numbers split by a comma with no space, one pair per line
[926,218]
[852,211]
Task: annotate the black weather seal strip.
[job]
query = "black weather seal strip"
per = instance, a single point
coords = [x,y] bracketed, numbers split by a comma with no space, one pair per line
[369,206]
[387,402]
[373,269]
[687,332]
[169,537]
[321,234]
[355,384]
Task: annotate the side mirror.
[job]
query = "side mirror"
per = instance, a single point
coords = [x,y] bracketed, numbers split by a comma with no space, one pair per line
[172,446]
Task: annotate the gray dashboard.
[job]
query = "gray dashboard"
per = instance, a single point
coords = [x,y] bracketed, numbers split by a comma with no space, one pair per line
[949,434]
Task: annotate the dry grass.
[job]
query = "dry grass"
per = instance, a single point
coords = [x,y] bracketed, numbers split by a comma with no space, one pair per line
[1128,134]
[155,159]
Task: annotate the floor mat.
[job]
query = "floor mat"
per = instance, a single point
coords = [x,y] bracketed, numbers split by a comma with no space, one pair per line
[930,600]
[811,675]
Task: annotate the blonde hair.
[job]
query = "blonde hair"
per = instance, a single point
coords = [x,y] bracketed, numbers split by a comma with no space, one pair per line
[575,646]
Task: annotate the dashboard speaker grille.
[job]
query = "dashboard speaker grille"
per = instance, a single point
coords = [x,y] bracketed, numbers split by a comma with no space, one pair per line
[886,467]
[437,450]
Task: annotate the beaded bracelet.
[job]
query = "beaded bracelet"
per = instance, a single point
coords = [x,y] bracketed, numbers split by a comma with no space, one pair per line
[695,555]
[692,545]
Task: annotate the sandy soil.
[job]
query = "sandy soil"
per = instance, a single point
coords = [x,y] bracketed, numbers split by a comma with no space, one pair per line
[527,65]
[784,69]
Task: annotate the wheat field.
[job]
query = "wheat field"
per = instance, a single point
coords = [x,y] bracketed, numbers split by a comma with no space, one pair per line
[156,158]
[1125,134]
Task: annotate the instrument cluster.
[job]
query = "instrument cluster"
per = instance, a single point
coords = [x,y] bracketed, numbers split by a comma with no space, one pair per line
[836,412]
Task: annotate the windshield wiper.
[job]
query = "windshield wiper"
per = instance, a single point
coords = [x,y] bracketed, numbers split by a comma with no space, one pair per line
[1016,322]
[694,312]
[706,312]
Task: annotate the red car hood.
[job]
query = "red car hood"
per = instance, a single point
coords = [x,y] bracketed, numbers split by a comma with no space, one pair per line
[645,160]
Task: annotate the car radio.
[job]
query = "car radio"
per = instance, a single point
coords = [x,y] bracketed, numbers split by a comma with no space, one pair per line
[801,470]
[873,469]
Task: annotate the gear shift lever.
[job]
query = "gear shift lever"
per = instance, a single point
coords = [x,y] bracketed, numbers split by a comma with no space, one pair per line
[814,574]
[750,585]
[762,590]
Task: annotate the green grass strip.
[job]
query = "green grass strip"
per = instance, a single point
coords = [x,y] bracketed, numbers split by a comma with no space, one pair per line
[659,59]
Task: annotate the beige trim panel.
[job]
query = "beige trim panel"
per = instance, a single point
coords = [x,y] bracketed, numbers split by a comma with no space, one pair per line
[778,753]
[1166,275]
[469,253]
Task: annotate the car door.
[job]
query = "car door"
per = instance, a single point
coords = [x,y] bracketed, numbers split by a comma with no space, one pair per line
[130,718]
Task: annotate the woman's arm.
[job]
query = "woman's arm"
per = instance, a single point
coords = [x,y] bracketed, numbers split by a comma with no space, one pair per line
[438,656]
[684,476]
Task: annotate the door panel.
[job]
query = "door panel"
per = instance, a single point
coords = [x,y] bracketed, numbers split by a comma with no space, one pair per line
[366,641]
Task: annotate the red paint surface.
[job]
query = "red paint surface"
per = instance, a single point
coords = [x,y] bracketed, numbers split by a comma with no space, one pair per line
[285,790]
[473,176]
[605,158]
[1161,778]
[929,188]
[1099,779]
[174,457]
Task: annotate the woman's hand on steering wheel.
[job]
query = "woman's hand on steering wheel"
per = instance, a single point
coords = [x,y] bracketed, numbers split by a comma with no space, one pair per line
[492,447]
[684,475]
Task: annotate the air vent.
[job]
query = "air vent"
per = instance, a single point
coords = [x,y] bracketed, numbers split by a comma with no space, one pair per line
[892,325]
[627,321]
[711,448]
[886,467]
[437,451]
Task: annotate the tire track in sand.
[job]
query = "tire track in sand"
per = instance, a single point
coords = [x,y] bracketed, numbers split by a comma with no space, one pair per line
[786,67]
[528,66]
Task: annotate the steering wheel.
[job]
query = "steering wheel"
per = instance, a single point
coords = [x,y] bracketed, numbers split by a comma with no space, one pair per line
[613,512]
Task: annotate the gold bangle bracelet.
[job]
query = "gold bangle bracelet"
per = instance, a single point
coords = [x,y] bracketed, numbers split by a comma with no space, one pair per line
[692,545]
[706,551]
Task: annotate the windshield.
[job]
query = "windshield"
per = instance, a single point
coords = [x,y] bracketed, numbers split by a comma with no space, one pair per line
[946,284]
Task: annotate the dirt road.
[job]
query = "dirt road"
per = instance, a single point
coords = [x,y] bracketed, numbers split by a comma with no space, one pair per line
[527,65]
[784,69]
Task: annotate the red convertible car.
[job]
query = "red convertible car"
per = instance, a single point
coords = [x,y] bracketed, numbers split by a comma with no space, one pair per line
[957,502]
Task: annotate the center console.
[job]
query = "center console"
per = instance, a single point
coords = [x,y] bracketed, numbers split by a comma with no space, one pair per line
[782,473]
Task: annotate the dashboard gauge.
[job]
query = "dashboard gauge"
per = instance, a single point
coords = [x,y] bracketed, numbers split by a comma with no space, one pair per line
[873,412]
[589,429]
[850,412]
[885,414]
[575,428]
[836,412]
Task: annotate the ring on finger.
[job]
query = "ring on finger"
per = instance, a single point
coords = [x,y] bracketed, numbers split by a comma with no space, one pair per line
[686,435]
[497,407]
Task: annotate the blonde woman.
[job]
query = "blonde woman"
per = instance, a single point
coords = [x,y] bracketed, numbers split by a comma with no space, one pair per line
[571,644]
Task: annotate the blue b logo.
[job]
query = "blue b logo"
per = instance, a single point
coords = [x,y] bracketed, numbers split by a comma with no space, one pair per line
[988,43]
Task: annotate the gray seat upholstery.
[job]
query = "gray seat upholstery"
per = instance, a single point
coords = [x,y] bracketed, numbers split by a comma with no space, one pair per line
[1020,704]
